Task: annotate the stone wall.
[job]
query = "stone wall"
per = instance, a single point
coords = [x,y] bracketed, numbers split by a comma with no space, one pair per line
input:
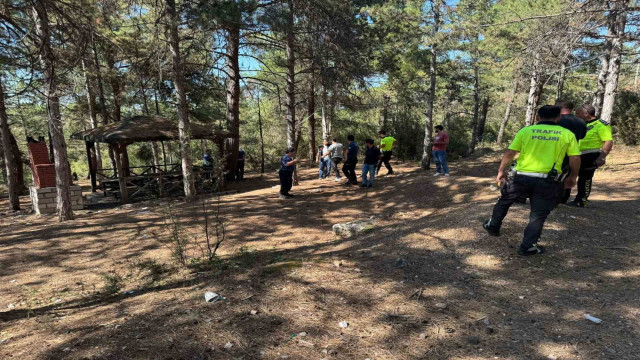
[44,199]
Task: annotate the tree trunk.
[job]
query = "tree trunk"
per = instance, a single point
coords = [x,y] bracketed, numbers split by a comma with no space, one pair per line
[10,162]
[602,76]
[290,98]
[311,118]
[116,86]
[93,121]
[385,112]
[232,145]
[170,151]
[261,137]
[483,120]
[103,103]
[427,143]
[47,62]
[535,89]
[561,77]
[476,110]
[3,168]
[635,79]
[184,128]
[617,20]
[154,145]
[327,116]
[507,113]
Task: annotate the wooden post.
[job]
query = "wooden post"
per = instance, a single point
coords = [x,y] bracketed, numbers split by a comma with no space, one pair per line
[164,156]
[124,197]
[161,183]
[92,170]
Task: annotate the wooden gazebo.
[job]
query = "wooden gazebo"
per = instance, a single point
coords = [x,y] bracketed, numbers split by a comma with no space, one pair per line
[140,129]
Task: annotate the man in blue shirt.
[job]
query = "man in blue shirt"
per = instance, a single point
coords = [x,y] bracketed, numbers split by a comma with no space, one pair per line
[349,167]
[207,159]
[240,168]
[207,163]
[371,157]
[286,173]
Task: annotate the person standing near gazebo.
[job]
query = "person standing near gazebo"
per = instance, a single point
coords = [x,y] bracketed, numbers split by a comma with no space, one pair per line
[286,173]
[240,169]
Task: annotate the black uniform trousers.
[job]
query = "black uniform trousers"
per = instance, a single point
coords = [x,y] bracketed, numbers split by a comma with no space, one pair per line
[349,169]
[240,170]
[585,176]
[542,194]
[564,194]
[286,181]
[386,156]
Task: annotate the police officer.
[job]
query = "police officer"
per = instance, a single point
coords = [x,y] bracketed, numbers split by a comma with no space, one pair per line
[594,148]
[542,148]
[387,145]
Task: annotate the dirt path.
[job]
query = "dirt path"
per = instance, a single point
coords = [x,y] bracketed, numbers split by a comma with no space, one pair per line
[282,262]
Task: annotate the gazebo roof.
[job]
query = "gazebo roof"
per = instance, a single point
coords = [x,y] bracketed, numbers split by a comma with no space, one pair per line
[144,129]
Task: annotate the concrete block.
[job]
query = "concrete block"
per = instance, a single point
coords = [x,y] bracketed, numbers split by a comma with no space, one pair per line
[50,206]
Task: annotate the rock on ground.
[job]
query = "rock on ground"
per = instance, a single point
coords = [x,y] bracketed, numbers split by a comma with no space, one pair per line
[353,228]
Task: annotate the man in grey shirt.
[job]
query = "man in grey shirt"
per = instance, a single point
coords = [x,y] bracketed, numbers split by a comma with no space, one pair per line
[335,150]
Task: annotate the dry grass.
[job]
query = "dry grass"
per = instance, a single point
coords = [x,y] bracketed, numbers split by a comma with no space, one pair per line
[283,262]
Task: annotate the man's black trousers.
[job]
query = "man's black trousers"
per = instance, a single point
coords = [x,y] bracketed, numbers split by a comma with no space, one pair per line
[585,176]
[542,194]
[286,181]
[240,170]
[386,156]
[349,170]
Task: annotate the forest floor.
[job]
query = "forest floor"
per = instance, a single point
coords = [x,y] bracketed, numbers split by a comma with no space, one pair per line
[105,286]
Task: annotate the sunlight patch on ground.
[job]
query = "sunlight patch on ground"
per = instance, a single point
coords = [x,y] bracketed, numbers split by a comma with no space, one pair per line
[483,261]
[631,313]
[420,241]
[551,350]
[577,315]
[440,291]
[623,273]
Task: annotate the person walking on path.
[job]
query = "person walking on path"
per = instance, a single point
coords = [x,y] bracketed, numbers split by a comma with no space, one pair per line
[387,144]
[579,128]
[594,148]
[335,152]
[371,157]
[324,162]
[439,150]
[349,167]
[542,148]
[286,173]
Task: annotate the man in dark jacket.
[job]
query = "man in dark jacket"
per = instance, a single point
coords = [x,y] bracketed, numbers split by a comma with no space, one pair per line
[349,167]
[579,128]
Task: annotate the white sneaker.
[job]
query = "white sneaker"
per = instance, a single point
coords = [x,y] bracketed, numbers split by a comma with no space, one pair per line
[337,179]
[437,174]
[446,174]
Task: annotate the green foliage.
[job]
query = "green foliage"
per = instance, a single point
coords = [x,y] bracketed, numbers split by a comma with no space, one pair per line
[144,152]
[153,269]
[113,283]
[627,117]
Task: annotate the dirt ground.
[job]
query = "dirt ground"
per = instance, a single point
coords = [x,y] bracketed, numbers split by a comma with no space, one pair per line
[427,283]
